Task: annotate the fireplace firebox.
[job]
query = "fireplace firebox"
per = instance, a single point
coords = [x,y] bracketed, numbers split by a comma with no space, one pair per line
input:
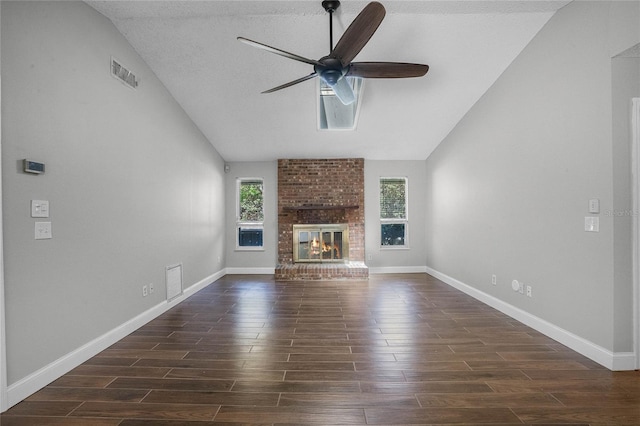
[321,243]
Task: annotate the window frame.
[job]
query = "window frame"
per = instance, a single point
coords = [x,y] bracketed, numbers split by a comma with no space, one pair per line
[394,221]
[240,224]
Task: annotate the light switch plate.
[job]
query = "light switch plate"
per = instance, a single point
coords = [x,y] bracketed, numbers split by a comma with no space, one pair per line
[43,231]
[594,206]
[39,208]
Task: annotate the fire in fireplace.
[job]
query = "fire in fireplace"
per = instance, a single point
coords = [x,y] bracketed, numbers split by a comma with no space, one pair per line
[321,243]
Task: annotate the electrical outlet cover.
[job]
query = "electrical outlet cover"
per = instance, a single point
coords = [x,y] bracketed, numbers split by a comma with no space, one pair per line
[592,224]
[43,231]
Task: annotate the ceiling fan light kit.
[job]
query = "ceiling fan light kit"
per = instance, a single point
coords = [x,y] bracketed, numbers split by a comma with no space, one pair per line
[332,113]
[335,67]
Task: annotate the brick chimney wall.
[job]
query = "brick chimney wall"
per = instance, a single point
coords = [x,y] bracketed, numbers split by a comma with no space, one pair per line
[323,187]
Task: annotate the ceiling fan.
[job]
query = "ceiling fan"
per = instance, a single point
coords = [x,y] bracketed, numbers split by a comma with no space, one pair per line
[333,69]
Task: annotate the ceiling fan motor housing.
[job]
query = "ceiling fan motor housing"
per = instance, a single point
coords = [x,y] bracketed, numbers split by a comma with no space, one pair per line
[330,70]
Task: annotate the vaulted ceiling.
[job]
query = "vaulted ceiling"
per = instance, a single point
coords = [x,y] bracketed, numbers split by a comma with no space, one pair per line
[191,46]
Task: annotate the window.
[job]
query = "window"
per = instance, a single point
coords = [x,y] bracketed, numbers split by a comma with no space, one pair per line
[250,217]
[393,212]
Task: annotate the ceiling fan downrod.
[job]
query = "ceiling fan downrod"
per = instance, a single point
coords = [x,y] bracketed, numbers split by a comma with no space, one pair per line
[330,6]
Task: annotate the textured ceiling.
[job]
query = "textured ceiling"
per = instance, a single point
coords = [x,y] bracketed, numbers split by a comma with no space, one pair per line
[191,46]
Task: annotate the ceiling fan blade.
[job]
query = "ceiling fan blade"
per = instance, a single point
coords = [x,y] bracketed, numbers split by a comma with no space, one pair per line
[291,83]
[358,33]
[386,70]
[278,51]
[344,91]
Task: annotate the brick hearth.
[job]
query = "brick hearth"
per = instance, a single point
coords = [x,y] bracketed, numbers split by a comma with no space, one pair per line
[312,191]
[322,271]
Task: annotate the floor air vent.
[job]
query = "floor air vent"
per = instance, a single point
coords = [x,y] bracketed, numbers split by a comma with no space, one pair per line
[120,72]
[174,281]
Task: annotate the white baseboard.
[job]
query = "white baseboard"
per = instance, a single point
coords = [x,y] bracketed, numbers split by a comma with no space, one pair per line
[250,271]
[623,361]
[397,269]
[30,384]
[613,361]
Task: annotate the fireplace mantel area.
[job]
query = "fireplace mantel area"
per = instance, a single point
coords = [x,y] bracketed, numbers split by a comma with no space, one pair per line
[321,194]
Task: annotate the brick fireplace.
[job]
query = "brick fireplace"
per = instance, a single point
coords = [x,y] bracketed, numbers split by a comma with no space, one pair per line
[321,192]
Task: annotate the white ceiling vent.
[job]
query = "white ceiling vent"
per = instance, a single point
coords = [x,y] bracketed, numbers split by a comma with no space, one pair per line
[123,74]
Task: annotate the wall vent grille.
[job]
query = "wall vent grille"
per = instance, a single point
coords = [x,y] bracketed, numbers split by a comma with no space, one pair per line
[174,281]
[123,74]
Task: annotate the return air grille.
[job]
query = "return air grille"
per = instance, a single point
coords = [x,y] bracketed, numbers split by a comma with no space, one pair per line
[174,281]
[123,74]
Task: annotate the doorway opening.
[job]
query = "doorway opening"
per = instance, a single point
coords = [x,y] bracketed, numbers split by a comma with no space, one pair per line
[635,134]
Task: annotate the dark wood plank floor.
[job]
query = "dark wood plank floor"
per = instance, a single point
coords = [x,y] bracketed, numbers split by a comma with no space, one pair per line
[397,349]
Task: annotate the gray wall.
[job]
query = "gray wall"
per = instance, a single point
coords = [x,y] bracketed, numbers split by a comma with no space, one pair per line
[410,259]
[508,189]
[133,185]
[240,261]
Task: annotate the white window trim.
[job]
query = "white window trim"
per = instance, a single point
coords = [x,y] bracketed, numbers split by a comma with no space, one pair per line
[404,221]
[254,225]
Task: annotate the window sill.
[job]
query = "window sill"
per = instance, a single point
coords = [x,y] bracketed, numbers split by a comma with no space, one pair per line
[395,248]
[249,249]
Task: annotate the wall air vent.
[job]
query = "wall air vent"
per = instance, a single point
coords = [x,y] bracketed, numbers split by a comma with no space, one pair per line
[174,281]
[120,72]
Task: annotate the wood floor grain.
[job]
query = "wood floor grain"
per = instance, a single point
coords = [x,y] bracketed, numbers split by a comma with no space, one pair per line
[395,350]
